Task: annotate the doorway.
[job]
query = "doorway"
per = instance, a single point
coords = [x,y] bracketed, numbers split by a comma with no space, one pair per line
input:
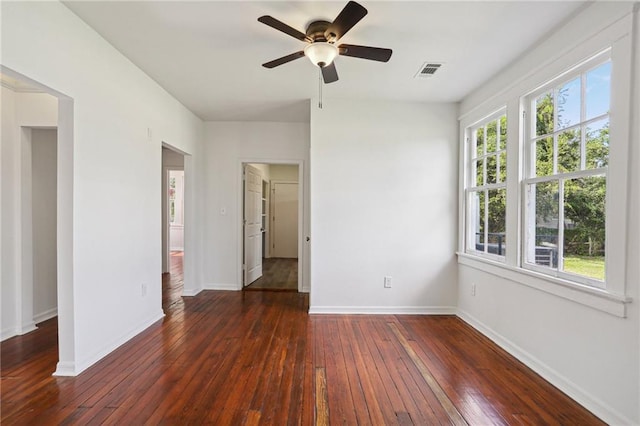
[37,213]
[173,219]
[271,224]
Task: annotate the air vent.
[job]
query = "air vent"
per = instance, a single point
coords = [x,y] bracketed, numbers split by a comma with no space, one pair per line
[428,69]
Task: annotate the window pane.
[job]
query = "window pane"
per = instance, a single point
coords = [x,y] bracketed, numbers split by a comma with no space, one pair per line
[492,136]
[172,188]
[597,140]
[544,250]
[476,220]
[480,172]
[480,142]
[544,114]
[502,167]
[598,91]
[544,157]
[584,236]
[569,151]
[497,222]
[491,169]
[568,99]
[503,132]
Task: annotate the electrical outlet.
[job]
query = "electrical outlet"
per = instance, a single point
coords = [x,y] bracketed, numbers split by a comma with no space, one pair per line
[143,289]
[387,282]
[473,289]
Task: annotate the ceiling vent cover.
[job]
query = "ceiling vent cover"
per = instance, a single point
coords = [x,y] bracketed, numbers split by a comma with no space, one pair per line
[428,69]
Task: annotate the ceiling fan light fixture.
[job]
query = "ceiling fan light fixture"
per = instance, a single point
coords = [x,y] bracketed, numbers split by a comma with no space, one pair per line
[321,53]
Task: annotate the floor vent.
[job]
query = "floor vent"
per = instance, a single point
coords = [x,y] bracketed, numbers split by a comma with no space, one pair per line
[428,69]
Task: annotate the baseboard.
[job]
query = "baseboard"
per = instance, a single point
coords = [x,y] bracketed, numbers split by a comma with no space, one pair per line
[27,328]
[384,310]
[65,369]
[591,403]
[7,333]
[221,286]
[191,292]
[51,313]
[83,365]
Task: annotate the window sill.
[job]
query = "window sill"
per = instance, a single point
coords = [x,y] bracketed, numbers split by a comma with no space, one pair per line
[595,298]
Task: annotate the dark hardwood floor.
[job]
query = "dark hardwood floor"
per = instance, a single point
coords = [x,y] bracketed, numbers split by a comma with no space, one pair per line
[233,358]
[172,282]
[278,274]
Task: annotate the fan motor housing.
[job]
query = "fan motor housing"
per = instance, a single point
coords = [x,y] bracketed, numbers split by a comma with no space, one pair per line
[316,30]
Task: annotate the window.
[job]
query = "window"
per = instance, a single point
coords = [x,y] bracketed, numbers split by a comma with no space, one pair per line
[566,158]
[486,186]
[172,199]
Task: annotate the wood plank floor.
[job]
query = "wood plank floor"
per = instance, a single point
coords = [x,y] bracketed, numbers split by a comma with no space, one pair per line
[234,358]
[277,274]
[173,282]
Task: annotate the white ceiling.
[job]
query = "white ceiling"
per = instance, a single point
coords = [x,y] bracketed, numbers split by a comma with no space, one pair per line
[209,54]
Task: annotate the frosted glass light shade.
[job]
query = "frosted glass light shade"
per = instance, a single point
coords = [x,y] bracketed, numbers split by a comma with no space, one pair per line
[321,53]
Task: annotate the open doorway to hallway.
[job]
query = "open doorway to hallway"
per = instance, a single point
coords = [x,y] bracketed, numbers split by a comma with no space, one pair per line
[36,194]
[271,218]
[173,220]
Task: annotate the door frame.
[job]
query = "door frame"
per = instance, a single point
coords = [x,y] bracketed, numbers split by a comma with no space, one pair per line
[240,217]
[190,276]
[66,365]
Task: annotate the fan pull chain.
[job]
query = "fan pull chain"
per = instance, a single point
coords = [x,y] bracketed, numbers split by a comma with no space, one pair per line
[319,88]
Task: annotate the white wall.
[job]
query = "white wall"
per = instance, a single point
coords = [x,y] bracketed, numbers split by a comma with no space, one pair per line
[591,355]
[44,218]
[20,113]
[111,158]
[227,146]
[383,193]
[8,143]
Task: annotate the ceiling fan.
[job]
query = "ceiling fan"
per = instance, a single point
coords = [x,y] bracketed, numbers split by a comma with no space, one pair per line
[322,37]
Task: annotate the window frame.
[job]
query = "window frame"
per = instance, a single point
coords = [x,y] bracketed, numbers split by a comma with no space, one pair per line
[528,152]
[523,78]
[470,183]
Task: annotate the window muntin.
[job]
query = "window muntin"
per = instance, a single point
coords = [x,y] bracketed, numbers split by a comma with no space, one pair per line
[486,187]
[565,181]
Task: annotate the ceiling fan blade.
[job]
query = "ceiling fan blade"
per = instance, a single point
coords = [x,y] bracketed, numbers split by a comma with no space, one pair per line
[281,26]
[365,52]
[348,17]
[283,60]
[329,73]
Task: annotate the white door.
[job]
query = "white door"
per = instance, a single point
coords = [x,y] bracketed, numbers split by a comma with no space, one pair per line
[252,224]
[285,220]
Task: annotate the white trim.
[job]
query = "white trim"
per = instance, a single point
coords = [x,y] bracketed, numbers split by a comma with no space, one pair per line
[222,286]
[115,344]
[46,315]
[584,398]
[7,333]
[596,298]
[65,369]
[26,328]
[383,310]
[191,292]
